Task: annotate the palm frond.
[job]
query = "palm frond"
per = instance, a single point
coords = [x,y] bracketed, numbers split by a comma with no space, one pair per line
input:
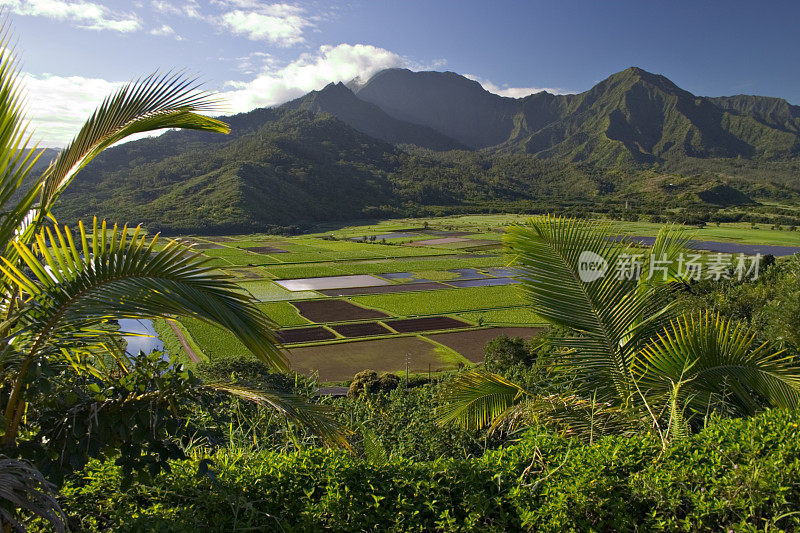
[155,102]
[24,487]
[586,418]
[78,282]
[16,159]
[663,263]
[374,450]
[318,418]
[715,357]
[476,399]
[606,313]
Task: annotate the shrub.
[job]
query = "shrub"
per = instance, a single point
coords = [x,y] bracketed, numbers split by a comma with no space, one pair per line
[368,381]
[736,474]
[504,351]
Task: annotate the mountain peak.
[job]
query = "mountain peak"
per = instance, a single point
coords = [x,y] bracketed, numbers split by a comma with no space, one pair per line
[445,101]
[637,74]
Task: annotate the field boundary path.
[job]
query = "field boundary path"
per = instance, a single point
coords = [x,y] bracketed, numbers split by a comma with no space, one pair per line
[182,339]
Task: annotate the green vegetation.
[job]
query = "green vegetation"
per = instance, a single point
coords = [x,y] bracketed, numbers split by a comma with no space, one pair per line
[734,475]
[443,301]
[647,404]
[283,169]
[626,343]
[215,343]
[283,313]
[68,392]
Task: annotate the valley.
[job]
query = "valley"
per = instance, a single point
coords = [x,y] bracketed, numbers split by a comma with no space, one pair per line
[420,295]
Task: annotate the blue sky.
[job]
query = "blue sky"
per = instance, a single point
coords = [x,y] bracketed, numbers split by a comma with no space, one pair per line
[260,53]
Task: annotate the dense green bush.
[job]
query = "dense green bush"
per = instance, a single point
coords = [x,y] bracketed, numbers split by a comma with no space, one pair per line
[736,474]
[368,381]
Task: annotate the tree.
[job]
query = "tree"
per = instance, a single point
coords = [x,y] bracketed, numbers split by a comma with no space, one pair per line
[62,287]
[631,362]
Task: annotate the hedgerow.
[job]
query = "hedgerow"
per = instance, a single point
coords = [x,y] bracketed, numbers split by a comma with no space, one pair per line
[735,475]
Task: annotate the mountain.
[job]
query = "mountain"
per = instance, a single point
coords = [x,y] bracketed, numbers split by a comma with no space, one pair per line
[445,101]
[632,116]
[427,143]
[368,118]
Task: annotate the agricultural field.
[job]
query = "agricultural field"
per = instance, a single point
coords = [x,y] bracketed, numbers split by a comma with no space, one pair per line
[416,295]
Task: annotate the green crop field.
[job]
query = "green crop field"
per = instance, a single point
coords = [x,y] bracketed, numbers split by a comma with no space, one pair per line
[284,314]
[513,316]
[267,291]
[332,251]
[214,342]
[442,301]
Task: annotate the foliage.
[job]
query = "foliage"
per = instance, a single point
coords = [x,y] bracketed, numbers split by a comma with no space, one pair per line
[734,475]
[368,382]
[61,288]
[629,366]
[24,487]
[503,352]
[770,304]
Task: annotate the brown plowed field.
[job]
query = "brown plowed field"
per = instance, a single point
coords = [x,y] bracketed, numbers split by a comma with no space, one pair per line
[293,335]
[335,311]
[362,329]
[470,343]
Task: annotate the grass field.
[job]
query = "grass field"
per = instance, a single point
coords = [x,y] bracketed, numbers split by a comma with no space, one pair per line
[284,314]
[442,301]
[482,226]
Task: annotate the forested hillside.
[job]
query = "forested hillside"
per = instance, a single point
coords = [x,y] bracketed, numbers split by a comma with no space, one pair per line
[429,143]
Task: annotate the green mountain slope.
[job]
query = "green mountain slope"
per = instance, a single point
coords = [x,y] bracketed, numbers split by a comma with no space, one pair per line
[632,116]
[635,139]
[368,118]
[445,101]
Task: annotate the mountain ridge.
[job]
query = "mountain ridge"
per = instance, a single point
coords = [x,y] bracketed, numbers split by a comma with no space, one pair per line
[635,138]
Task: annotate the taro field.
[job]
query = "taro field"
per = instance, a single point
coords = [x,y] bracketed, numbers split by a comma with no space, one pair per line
[414,298]
[416,295]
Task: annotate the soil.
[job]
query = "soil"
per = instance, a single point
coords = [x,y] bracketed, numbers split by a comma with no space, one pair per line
[470,343]
[294,335]
[335,311]
[266,250]
[361,329]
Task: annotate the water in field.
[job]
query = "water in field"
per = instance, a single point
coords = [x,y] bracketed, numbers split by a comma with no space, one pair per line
[488,282]
[137,343]
[729,247]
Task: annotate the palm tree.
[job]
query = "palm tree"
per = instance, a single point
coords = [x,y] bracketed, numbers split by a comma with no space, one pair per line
[632,360]
[60,286]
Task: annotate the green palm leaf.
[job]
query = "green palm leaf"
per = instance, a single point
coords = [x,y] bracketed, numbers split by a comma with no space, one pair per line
[611,316]
[155,102]
[476,399]
[25,487]
[318,418]
[717,359]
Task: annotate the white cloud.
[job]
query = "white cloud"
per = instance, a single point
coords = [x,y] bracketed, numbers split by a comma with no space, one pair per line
[186,8]
[58,106]
[166,31]
[311,71]
[86,15]
[513,92]
[281,24]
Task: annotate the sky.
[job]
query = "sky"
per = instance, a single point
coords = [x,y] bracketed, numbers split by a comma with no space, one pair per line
[262,53]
